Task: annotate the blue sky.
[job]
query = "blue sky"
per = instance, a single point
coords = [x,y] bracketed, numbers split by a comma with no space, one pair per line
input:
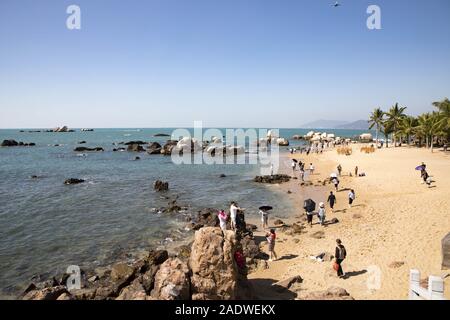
[251,63]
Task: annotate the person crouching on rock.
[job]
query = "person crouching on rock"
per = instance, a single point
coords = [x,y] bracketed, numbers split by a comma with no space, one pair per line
[222,220]
[271,236]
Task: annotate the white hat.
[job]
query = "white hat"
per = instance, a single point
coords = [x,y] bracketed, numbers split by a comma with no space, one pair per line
[321,204]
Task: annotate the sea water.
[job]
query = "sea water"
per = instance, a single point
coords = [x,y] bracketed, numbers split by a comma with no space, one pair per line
[45,226]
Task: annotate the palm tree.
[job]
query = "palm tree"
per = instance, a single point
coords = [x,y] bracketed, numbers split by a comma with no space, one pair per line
[376,119]
[408,127]
[444,110]
[386,130]
[431,125]
[394,118]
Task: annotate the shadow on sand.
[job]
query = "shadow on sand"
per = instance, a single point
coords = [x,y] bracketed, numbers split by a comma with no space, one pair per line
[288,257]
[354,273]
[266,289]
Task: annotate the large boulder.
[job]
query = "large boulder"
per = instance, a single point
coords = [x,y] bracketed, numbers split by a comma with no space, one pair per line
[9,143]
[167,148]
[214,271]
[206,217]
[172,281]
[51,293]
[154,148]
[282,142]
[446,252]
[135,148]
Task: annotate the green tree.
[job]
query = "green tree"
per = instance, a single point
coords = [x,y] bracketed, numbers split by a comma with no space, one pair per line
[408,127]
[376,120]
[394,119]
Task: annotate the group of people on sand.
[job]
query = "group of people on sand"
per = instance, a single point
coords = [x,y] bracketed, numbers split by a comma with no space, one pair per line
[301,168]
[236,224]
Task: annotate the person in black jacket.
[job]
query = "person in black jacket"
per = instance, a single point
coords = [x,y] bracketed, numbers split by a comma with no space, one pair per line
[332,200]
[340,255]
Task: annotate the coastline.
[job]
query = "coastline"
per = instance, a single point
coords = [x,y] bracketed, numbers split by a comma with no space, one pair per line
[396,224]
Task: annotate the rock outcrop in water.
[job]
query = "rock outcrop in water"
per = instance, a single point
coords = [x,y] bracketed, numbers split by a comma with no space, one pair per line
[14,143]
[154,148]
[73,181]
[168,147]
[161,185]
[135,148]
[276,178]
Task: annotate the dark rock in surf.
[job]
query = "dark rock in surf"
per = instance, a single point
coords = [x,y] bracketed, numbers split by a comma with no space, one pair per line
[73,181]
[82,142]
[277,178]
[167,148]
[135,148]
[129,143]
[14,143]
[161,135]
[160,185]
[154,148]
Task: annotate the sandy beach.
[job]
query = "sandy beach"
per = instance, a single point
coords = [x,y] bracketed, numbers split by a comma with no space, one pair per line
[395,224]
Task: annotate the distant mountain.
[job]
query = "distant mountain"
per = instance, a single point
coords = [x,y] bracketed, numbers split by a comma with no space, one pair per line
[323,124]
[356,125]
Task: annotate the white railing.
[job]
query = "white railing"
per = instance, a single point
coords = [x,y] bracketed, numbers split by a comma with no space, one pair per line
[435,289]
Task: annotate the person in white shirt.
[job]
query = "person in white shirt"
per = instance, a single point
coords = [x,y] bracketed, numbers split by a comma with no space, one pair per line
[233,213]
[264,219]
[311,168]
[351,197]
[294,165]
[322,213]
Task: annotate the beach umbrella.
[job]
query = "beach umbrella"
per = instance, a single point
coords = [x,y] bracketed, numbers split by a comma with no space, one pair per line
[333,175]
[295,160]
[419,168]
[309,205]
[265,208]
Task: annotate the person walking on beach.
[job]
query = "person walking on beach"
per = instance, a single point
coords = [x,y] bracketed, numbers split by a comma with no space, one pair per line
[302,174]
[311,169]
[309,218]
[336,183]
[271,236]
[321,213]
[356,171]
[222,220]
[293,165]
[340,255]
[331,200]
[339,169]
[233,213]
[264,218]
[351,197]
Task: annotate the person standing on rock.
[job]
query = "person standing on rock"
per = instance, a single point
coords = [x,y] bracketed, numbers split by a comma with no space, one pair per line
[340,254]
[331,200]
[271,236]
[222,220]
[351,197]
[233,213]
[356,171]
